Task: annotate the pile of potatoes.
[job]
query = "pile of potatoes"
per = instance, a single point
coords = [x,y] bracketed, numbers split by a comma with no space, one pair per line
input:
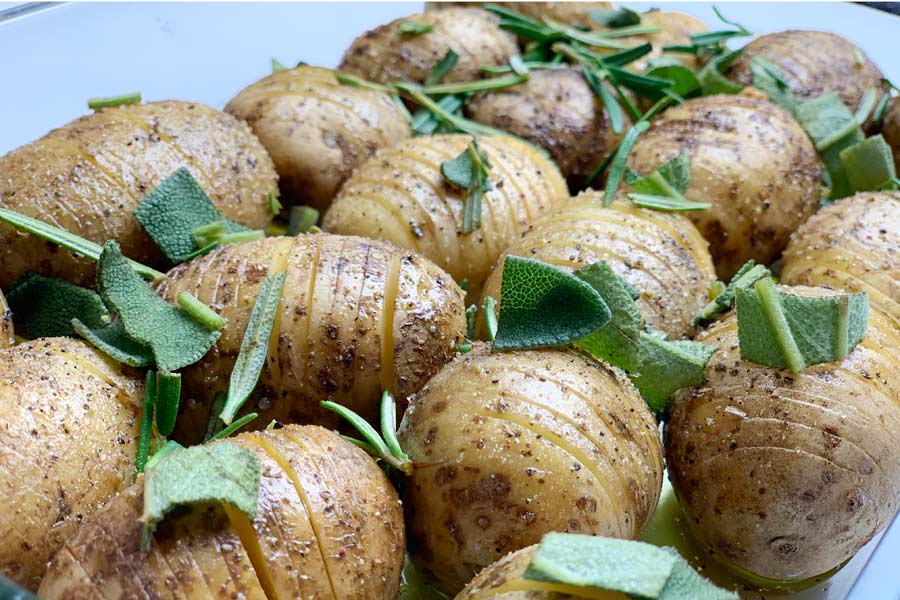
[780,475]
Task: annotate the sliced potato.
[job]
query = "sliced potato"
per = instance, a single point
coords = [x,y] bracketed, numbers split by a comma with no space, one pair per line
[329,525]
[750,160]
[385,54]
[661,255]
[88,176]
[401,196]
[7,335]
[69,421]
[316,130]
[853,244]
[509,446]
[356,317]
[891,129]
[787,474]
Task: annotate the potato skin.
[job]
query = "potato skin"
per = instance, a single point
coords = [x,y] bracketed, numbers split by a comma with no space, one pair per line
[787,474]
[750,160]
[342,538]
[384,54]
[890,129]
[557,110]
[504,579]
[401,196]
[853,244]
[330,342]
[509,446]
[661,255]
[88,176]
[316,130]
[813,63]
[564,12]
[69,421]
[676,30]
[7,335]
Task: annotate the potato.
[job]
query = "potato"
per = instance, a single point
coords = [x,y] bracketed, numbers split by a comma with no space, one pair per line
[384,54]
[356,316]
[676,29]
[750,160]
[890,129]
[661,255]
[7,335]
[509,446]
[557,110]
[853,244]
[504,580]
[329,526]
[813,63]
[69,420]
[401,196]
[574,13]
[316,130]
[786,474]
[88,176]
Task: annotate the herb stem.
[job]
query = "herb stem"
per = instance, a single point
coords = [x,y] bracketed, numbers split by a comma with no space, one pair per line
[113,101]
[866,104]
[345,79]
[490,317]
[617,167]
[143,447]
[235,425]
[773,310]
[200,312]
[468,87]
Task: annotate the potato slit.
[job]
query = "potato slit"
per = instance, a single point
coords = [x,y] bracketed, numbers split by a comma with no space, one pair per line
[285,465]
[63,143]
[359,305]
[415,158]
[388,310]
[310,304]
[388,207]
[245,532]
[429,220]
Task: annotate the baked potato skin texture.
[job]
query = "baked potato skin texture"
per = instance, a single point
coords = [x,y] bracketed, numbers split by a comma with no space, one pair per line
[69,421]
[401,196]
[750,160]
[316,130]
[661,255]
[890,129]
[787,474]
[509,446]
[385,55]
[7,334]
[813,63]
[854,245]
[557,110]
[329,526]
[356,316]
[88,176]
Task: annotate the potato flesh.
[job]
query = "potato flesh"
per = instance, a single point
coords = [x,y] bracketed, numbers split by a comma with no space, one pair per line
[788,474]
[854,245]
[890,129]
[750,160]
[7,334]
[514,445]
[357,316]
[345,541]
[661,255]
[385,55]
[400,196]
[69,422]
[316,130]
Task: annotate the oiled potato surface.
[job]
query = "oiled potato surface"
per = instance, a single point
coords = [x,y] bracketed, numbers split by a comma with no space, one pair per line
[69,420]
[789,474]
[88,176]
[384,54]
[750,160]
[316,130]
[854,245]
[661,255]
[329,525]
[356,317]
[509,446]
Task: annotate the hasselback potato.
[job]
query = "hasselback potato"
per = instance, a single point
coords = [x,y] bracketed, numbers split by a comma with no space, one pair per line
[69,419]
[509,446]
[316,130]
[401,196]
[854,245]
[787,474]
[329,525]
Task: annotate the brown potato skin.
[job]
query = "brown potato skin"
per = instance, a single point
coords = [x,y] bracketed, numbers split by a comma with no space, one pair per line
[343,538]
[564,12]
[788,474]
[88,176]
[661,255]
[7,334]
[750,160]
[401,196]
[69,420]
[509,446]
[385,55]
[557,110]
[330,345]
[316,130]
[890,129]
[676,30]
[813,63]
[852,244]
